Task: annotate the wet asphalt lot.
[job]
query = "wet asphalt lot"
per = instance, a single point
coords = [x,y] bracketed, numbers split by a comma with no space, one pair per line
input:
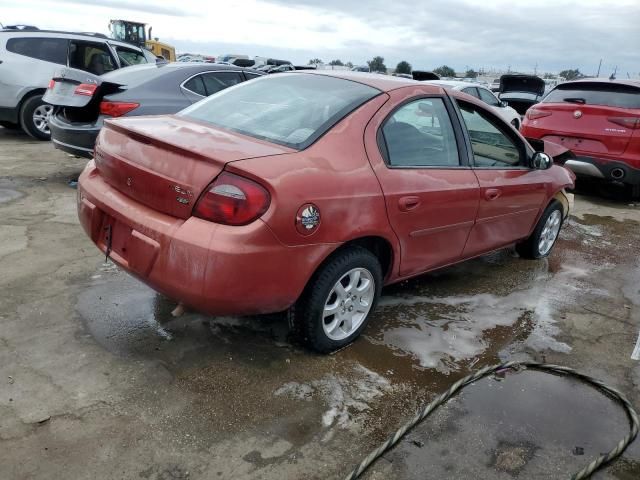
[99,381]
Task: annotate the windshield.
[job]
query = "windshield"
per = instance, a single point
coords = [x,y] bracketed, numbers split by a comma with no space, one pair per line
[611,95]
[289,109]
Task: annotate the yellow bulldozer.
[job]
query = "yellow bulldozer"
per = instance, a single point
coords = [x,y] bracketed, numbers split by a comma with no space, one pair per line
[134,32]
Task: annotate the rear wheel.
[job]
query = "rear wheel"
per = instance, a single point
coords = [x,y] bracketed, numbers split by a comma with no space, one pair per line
[335,306]
[544,236]
[34,117]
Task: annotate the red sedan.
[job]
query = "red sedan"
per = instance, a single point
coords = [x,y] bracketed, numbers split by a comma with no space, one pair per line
[309,191]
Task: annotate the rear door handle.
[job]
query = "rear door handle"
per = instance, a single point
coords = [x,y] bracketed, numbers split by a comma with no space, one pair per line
[408,203]
[492,193]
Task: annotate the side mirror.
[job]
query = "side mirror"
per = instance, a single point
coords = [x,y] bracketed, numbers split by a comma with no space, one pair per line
[541,161]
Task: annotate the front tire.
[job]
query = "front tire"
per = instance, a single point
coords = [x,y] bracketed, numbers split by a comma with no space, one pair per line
[544,236]
[335,307]
[34,117]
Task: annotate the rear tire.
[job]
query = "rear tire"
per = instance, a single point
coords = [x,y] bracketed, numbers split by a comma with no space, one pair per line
[10,125]
[544,236]
[349,285]
[34,115]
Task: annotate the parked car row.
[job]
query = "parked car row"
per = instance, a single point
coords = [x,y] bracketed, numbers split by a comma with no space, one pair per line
[29,59]
[83,101]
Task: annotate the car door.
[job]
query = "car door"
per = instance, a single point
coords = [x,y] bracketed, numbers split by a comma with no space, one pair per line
[511,193]
[431,194]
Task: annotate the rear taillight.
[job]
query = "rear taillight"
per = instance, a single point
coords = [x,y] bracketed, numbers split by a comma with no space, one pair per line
[232,200]
[534,113]
[87,89]
[52,83]
[117,109]
[627,122]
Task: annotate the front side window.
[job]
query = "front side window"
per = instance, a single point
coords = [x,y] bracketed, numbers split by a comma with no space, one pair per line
[214,82]
[420,134]
[129,56]
[48,49]
[492,146]
[90,57]
[489,98]
[289,109]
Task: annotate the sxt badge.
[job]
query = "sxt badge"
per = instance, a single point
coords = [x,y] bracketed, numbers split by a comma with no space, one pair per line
[307,219]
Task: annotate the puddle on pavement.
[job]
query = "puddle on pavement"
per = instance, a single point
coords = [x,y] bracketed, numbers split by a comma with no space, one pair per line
[8,193]
[426,333]
[533,424]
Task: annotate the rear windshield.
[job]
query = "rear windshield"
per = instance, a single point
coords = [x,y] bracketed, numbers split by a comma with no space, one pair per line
[289,109]
[612,95]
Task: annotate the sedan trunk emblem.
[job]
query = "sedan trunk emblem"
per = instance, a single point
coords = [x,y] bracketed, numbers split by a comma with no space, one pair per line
[577,114]
[129,181]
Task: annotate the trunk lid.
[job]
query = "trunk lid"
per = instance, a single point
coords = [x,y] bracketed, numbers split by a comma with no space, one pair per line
[587,129]
[522,84]
[165,162]
[78,94]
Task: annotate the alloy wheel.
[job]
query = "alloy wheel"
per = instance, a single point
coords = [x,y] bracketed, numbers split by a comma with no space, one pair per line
[348,304]
[550,232]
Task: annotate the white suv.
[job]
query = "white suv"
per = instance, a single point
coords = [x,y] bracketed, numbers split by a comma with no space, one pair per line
[29,58]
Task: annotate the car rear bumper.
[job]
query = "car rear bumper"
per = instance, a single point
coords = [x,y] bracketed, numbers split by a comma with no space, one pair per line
[218,269]
[73,138]
[604,169]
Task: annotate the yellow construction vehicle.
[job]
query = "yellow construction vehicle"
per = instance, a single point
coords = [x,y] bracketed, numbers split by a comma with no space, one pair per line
[134,32]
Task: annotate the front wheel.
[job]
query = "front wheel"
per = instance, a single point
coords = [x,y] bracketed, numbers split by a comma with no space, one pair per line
[544,236]
[336,304]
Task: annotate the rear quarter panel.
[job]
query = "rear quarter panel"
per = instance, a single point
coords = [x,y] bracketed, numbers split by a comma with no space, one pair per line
[335,175]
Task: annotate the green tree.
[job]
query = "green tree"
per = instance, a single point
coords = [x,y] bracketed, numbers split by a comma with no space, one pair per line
[445,71]
[471,73]
[403,67]
[348,64]
[376,64]
[571,74]
[314,61]
[337,63]
[549,75]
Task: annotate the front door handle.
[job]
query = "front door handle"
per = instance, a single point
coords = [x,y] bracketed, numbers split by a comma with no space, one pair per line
[408,203]
[492,193]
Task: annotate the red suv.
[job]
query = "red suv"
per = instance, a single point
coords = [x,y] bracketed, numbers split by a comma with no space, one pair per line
[599,120]
[312,190]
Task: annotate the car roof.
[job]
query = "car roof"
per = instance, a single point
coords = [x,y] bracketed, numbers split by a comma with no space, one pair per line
[61,34]
[629,83]
[455,84]
[173,66]
[384,83]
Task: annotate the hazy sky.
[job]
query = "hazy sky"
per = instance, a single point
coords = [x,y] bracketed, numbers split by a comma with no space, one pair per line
[489,33]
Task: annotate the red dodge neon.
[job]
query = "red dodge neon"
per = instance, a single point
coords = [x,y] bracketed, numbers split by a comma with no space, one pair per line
[308,192]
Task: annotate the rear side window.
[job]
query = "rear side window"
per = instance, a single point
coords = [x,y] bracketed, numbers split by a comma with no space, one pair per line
[90,57]
[47,49]
[471,91]
[289,109]
[196,85]
[420,134]
[610,95]
[214,82]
